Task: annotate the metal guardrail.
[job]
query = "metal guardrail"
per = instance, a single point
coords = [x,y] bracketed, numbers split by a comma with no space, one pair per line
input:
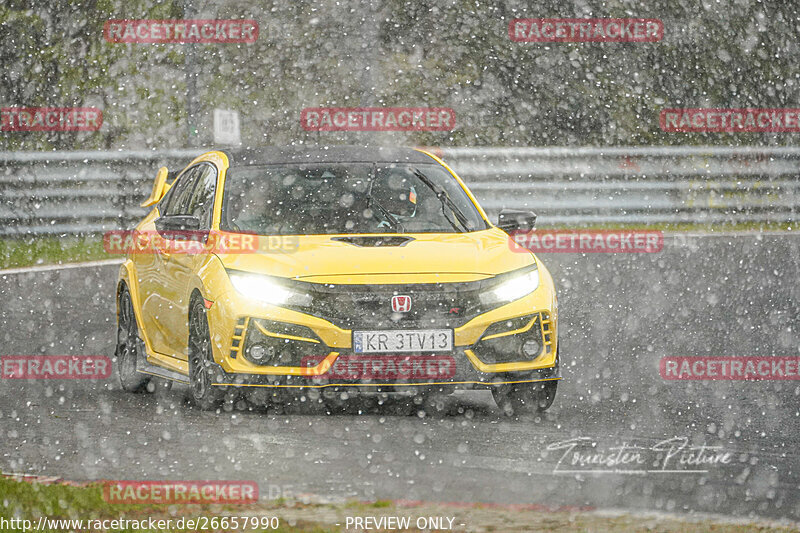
[642,185]
[89,192]
[78,192]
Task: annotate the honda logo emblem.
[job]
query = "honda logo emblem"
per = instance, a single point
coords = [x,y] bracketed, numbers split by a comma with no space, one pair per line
[401,304]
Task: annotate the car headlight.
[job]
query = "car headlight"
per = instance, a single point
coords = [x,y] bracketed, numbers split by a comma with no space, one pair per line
[512,289]
[267,289]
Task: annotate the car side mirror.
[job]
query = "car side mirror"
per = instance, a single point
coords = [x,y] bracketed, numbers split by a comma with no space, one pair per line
[513,220]
[177,223]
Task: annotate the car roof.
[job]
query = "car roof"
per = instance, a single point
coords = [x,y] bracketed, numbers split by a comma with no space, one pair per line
[270,155]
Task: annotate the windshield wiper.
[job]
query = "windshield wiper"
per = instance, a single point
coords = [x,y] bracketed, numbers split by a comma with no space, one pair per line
[397,226]
[445,200]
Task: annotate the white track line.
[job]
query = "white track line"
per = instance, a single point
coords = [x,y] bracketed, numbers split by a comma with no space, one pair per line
[45,268]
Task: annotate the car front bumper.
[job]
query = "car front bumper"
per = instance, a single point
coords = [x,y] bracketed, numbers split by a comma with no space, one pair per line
[466,376]
[334,359]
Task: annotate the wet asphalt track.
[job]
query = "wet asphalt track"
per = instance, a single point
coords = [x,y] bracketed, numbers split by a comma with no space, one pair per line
[619,315]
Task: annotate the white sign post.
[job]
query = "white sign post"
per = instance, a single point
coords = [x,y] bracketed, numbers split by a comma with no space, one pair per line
[226,127]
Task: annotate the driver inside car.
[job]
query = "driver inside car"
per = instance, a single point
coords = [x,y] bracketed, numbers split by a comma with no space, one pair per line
[393,198]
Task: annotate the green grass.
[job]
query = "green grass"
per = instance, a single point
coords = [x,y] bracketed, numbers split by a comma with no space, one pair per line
[30,501]
[24,500]
[363,506]
[28,251]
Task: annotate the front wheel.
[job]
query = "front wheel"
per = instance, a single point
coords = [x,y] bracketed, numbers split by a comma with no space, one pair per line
[525,397]
[128,350]
[201,368]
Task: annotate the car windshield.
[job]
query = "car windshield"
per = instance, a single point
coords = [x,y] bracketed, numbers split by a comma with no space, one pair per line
[341,198]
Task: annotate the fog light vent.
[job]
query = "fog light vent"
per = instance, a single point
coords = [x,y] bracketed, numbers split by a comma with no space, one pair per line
[261,353]
[531,348]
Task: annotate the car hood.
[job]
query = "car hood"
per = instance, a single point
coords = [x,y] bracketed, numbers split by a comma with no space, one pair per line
[408,258]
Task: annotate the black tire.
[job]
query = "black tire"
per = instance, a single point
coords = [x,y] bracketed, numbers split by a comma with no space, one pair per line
[129,347]
[525,397]
[201,367]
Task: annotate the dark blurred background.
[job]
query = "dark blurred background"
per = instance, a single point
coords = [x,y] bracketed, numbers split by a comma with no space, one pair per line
[733,53]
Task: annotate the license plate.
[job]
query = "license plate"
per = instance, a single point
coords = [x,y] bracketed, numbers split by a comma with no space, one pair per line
[406,340]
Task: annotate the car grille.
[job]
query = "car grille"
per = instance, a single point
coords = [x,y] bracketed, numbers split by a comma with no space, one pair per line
[433,305]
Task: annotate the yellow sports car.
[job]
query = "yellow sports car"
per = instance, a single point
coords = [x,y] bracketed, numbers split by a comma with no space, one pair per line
[323,272]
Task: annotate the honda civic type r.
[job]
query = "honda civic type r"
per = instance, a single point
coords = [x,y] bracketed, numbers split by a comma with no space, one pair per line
[343,269]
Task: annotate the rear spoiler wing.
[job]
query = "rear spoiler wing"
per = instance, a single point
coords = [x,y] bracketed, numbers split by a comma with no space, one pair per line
[160,186]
